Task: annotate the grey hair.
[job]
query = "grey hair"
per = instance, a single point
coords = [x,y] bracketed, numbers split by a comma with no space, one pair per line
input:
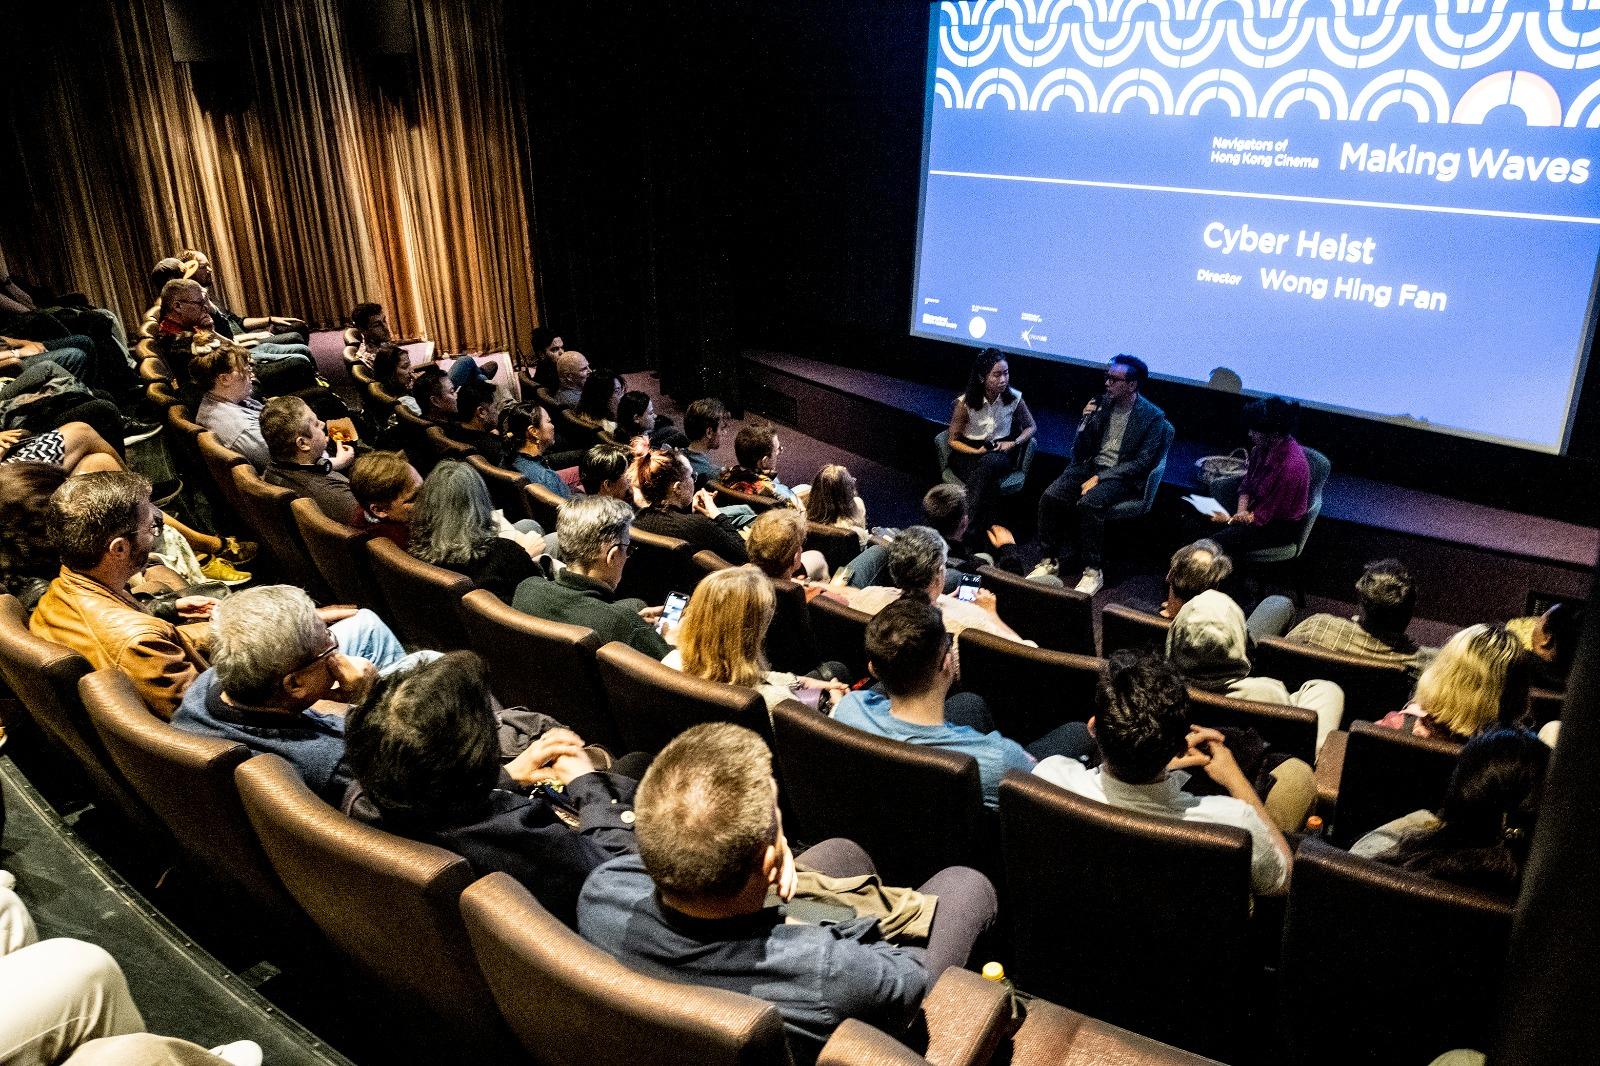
[916,556]
[176,288]
[260,636]
[453,523]
[589,525]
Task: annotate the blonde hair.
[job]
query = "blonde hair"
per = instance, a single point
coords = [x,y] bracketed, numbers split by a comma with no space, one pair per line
[775,537]
[725,626]
[1463,688]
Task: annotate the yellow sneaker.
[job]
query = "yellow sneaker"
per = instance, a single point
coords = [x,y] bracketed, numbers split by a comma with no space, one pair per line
[218,569]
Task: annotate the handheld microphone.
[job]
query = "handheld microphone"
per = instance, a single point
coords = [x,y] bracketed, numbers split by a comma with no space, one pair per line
[1099,402]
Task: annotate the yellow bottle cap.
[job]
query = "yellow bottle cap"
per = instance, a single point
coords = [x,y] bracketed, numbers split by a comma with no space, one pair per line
[993,971]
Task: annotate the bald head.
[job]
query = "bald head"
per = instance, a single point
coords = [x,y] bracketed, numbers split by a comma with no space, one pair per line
[573,368]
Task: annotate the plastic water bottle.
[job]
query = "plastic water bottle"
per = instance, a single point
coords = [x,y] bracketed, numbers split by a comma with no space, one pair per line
[993,971]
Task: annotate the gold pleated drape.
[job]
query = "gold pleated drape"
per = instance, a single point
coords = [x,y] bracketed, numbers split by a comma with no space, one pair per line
[312,177]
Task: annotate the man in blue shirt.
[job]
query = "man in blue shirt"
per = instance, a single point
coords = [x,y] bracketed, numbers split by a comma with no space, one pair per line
[703,901]
[911,654]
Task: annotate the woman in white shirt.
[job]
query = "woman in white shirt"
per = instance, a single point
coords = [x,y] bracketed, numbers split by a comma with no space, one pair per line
[989,426]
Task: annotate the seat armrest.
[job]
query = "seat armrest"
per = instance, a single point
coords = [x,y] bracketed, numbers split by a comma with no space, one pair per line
[856,1043]
[966,1017]
[1330,767]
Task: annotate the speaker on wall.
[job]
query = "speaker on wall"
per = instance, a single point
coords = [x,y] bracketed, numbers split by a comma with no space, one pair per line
[380,27]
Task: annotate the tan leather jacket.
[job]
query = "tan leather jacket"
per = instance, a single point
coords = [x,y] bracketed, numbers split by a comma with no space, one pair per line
[108,628]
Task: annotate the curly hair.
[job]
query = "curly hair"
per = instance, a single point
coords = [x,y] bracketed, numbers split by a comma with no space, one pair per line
[25,549]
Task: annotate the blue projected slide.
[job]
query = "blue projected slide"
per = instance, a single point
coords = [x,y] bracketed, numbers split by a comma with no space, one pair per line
[1384,207]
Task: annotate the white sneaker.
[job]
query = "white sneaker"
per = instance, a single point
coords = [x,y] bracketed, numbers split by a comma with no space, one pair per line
[1046,568]
[239,1053]
[1090,583]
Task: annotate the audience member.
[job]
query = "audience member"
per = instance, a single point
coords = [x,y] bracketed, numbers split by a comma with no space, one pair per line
[428,753]
[547,346]
[75,447]
[1481,835]
[298,443]
[256,331]
[704,900]
[1385,599]
[228,409]
[990,426]
[391,369]
[831,500]
[1146,743]
[1277,483]
[1552,640]
[371,324]
[777,538]
[911,654]
[1210,645]
[757,449]
[1195,568]
[453,525]
[702,424]
[385,486]
[1119,442]
[597,403]
[594,532]
[915,563]
[475,424]
[673,508]
[284,672]
[104,527]
[528,435]
[722,635]
[636,417]
[28,561]
[607,470]
[435,394]
[572,367]
[182,310]
[944,510]
[1479,679]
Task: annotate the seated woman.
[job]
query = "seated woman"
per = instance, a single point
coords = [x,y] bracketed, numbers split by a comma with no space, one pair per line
[391,369]
[386,486]
[228,408]
[722,634]
[989,426]
[529,435]
[595,412]
[453,526]
[1277,483]
[1480,836]
[673,508]
[636,417]
[1479,679]
[607,470]
[832,501]
[28,560]
[426,751]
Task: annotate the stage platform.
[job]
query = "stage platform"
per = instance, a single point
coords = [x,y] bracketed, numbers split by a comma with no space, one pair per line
[1472,562]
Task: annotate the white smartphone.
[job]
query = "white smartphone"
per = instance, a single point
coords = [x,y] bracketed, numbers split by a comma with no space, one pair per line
[968,589]
[672,610]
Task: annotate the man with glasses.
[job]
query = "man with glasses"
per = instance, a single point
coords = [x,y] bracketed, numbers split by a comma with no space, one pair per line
[595,534]
[104,527]
[284,671]
[1120,440]
[185,331]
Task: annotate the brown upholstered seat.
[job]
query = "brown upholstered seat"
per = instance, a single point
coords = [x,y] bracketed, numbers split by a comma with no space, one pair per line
[219,462]
[933,817]
[1101,901]
[424,601]
[791,645]
[544,665]
[379,403]
[709,562]
[505,489]
[265,509]
[1123,628]
[651,703]
[1383,965]
[444,446]
[44,678]
[837,545]
[391,905]
[1387,773]
[1544,705]
[656,566]
[1371,689]
[542,505]
[1030,691]
[840,633]
[1052,1035]
[572,1004]
[187,780]
[182,424]
[412,431]
[1058,618]
[1290,730]
[339,553]
[727,497]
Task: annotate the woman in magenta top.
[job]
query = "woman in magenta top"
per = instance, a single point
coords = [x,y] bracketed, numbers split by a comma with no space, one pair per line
[1277,483]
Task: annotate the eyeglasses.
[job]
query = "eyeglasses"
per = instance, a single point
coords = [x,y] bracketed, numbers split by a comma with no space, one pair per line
[333,646]
[1116,379]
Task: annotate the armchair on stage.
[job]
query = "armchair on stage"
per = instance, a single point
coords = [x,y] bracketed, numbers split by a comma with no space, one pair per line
[1010,485]
[1226,492]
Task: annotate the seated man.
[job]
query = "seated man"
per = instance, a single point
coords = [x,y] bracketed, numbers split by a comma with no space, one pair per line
[573,367]
[425,751]
[757,449]
[703,901]
[607,470]
[1146,742]
[944,510]
[1119,442]
[229,409]
[105,528]
[474,424]
[385,486]
[371,322]
[297,440]
[1385,600]
[702,424]
[186,329]
[594,533]
[916,561]
[914,659]
[283,673]
[267,335]
[435,393]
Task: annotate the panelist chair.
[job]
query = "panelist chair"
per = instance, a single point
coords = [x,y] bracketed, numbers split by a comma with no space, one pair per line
[1009,485]
[1287,556]
[652,703]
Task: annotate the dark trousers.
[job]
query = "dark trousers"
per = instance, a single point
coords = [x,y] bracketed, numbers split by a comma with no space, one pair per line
[1237,539]
[982,475]
[1072,525]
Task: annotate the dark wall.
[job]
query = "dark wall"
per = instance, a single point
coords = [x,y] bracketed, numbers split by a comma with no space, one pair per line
[708,179]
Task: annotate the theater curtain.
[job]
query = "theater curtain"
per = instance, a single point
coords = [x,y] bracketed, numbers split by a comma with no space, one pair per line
[313,175]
